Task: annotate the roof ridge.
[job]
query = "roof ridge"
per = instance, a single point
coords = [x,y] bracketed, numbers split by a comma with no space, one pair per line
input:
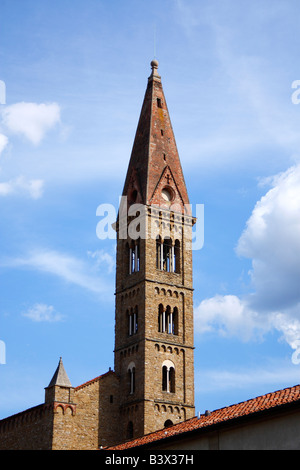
[89,382]
[220,415]
[257,397]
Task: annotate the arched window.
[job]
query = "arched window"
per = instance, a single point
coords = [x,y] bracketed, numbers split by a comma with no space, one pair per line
[161,316]
[167,255]
[131,377]
[158,253]
[135,320]
[132,321]
[128,315]
[172,380]
[168,377]
[165,379]
[175,321]
[167,320]
[168,423]
[176,262]
[134,257]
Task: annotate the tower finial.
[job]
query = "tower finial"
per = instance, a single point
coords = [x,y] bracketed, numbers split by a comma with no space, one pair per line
[154,66]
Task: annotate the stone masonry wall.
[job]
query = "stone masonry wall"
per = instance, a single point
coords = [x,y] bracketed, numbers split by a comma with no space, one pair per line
[96,422]
[29,430]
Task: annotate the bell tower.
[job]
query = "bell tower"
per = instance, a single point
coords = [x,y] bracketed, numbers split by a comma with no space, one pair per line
[154,287]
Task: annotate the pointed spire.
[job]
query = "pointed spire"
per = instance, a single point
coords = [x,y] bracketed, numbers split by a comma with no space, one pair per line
[154,170]
[60,376]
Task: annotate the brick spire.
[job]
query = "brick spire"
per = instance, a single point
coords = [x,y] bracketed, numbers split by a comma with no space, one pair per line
[154,173]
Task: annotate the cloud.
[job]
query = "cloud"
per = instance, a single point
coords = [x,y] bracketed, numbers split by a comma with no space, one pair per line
[101,257]
[31,120]
[68,268]
[43,313]
[3,142]
[270,374]
[271,239]
[228,316]
[20,185]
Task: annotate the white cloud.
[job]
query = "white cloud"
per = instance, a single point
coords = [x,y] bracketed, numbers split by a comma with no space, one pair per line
[272,240]
[20,185]
[3,142]
[6,188]
[43,313]
[101,257]
[228,316]
[31,120]
[271,374]
[66,267]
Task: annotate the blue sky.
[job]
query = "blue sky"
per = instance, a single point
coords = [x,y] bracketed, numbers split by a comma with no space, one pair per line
[75,75]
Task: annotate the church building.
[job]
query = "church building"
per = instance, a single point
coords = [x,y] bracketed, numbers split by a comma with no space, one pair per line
[147,401]
[152,385]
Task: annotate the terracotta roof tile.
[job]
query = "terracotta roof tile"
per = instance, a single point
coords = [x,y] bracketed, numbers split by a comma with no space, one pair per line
[246,408]
[89,382]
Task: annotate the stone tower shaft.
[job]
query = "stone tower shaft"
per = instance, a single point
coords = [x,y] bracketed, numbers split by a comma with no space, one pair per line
[154,285]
